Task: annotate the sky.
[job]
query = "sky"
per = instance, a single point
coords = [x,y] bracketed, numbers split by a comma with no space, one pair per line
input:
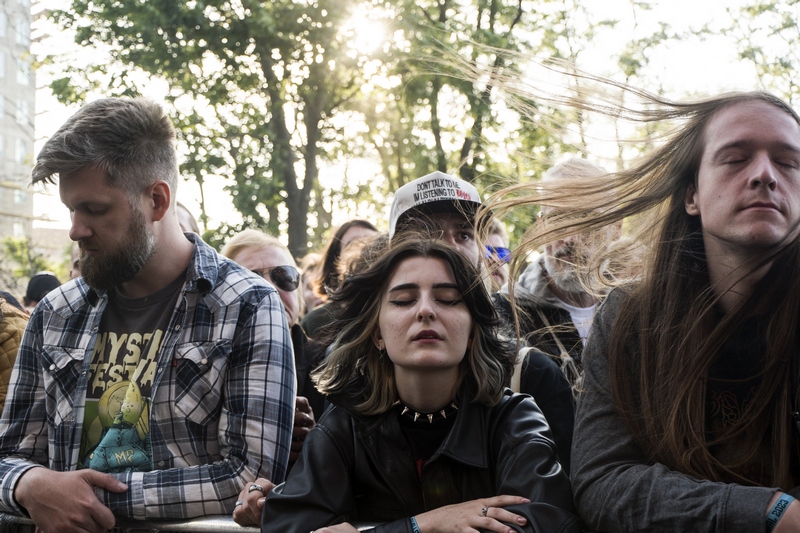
[689,67]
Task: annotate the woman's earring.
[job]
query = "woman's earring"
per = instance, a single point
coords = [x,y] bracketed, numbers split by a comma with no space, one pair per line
[382,350]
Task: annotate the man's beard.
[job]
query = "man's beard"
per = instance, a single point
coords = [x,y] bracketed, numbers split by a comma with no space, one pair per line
[564,274]
[110,268]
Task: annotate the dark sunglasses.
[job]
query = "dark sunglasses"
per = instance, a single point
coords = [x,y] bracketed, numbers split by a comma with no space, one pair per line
[503,253]
[286,278]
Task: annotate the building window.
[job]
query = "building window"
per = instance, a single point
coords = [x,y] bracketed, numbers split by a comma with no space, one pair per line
[3,24]
[23,112]
[19,230]
[23,72]
[22,151]
[20,197]
[23,32]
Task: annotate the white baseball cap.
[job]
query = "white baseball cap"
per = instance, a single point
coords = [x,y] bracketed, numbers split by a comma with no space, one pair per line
[435,193]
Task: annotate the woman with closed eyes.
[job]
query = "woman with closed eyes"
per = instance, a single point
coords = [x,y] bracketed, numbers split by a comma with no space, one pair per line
[422,436]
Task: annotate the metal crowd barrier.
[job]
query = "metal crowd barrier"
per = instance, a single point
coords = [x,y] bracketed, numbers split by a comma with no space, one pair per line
[210,524]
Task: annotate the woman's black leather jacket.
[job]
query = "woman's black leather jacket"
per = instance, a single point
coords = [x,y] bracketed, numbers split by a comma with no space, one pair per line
[358,468]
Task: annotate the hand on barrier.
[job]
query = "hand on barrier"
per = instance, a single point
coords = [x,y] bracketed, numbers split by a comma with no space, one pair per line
[251,502]
[64,502]
[486,514]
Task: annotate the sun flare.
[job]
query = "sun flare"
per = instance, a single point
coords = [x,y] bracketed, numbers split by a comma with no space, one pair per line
[366,31]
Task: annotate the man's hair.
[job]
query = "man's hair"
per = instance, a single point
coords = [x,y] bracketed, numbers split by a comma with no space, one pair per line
[495,227]
[573,168]
[669,320]
[132,140]
[592,272]
[488,360]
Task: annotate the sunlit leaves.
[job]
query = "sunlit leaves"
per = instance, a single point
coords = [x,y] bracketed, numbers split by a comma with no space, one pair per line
[768,35]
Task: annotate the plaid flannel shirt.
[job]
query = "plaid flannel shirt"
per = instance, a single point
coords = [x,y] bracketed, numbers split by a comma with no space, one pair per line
[222,400]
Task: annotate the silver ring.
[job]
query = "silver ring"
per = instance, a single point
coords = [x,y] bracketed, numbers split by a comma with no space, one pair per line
[256,486]
[484,512]
[238,503]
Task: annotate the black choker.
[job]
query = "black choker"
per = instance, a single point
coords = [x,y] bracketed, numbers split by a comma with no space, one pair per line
[430,417]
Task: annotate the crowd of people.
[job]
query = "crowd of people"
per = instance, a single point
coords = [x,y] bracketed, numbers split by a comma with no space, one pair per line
[599,377]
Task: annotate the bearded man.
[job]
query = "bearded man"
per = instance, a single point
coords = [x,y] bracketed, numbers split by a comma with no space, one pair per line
[161,382]
[555,305]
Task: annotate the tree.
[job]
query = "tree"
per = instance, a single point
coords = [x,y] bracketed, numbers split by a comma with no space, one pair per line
[434,117]
[254,85]
[20,261]
[488,143]
[767,35]
[455,113]
[264,92]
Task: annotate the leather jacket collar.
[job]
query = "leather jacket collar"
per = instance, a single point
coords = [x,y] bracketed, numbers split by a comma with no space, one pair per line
[466,443]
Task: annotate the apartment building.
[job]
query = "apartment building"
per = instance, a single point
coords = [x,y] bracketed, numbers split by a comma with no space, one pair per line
[17,107]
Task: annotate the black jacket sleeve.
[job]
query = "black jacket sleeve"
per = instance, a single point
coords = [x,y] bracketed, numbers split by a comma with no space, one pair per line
[337,479]
[319,490]
[527,466]
[543,379]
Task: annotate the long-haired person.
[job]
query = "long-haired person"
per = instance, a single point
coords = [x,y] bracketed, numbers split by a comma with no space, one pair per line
[688,419]
[422,435]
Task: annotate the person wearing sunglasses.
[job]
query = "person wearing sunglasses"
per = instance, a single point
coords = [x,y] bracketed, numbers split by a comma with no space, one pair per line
[267,257]
[497,254]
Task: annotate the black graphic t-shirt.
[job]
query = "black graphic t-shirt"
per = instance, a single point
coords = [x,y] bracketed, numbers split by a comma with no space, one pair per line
[733,381]
[734,377]
[116,431]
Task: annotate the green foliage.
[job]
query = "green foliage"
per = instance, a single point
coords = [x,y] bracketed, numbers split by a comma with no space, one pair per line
[768,35]
[25,261]
[20,261]
[253,85]
[266,93]
[217,237]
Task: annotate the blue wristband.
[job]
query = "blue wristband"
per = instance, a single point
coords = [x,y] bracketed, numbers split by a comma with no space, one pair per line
[414,526]
[776,513]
